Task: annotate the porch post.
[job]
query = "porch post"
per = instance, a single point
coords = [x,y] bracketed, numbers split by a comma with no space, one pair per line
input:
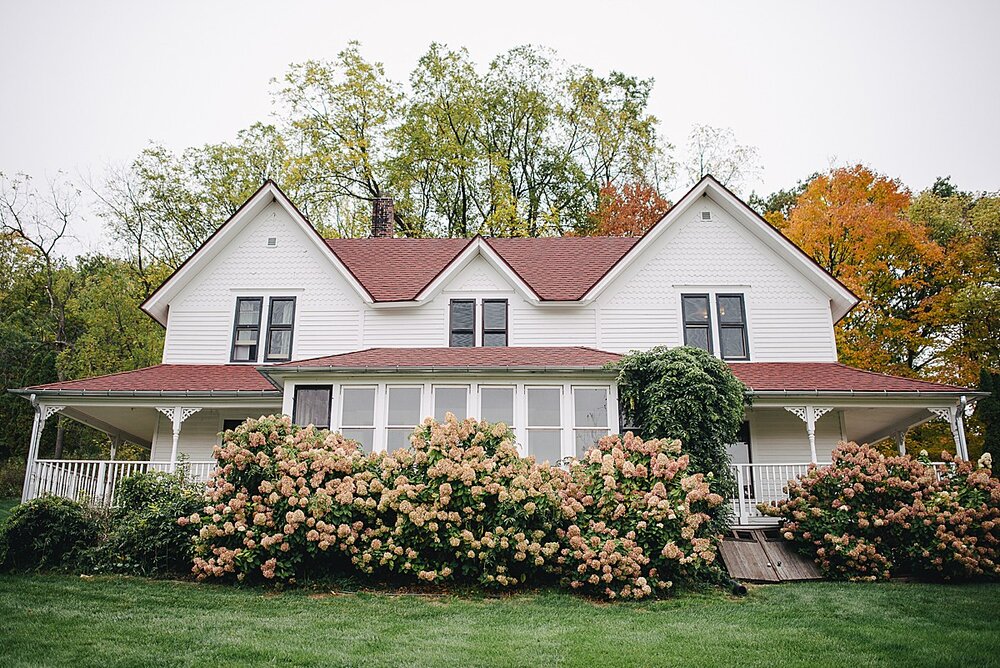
[900,437]
[42,413]
[809,415]
[116,440]
[176,415]
[957,424]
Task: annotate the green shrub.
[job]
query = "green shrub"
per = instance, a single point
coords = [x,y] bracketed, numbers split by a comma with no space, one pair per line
[868,517]
[687,394]
[48,533]
[144,537]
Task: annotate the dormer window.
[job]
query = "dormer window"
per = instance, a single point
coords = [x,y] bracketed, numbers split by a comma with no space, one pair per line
[462,323]
[730,328]
[246,332]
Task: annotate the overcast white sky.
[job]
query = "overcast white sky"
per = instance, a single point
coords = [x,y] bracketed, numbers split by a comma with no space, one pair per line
[910,88]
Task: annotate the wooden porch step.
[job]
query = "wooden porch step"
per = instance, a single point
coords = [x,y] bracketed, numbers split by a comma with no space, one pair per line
[762,555]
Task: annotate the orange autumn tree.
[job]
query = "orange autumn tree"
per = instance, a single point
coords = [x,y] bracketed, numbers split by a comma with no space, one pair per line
[855,224]
[627,212]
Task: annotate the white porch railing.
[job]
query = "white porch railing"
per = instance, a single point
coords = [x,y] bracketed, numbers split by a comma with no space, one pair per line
[96,481]
[762,483]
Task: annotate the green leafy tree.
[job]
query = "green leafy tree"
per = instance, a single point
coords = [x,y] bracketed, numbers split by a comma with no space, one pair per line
[988,413]
[688,394]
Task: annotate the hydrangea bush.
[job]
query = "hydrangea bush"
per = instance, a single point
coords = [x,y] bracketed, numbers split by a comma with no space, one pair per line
[868,516]
[460,504]
[638,519]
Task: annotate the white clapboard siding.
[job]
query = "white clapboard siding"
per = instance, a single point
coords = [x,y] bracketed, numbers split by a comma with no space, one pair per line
[777,436]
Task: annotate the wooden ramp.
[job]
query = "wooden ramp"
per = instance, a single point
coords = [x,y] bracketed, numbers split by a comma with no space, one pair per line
[762,555]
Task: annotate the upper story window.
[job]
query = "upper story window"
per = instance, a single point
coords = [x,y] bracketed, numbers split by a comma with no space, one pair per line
[246,331]
[733,342]
[730,327]
[697,321]
[247,327]
[462,323]
[279,329]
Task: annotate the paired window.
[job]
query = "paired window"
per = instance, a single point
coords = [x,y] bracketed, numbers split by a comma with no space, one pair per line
[462,323]
[246,330]
[730,311]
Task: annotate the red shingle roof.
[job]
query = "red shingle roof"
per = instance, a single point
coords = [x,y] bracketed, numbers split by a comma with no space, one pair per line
[758,376]
[461,358]
[172,378]
[827,377]
[556,268]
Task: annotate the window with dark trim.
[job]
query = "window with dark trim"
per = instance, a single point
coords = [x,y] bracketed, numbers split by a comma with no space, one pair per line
[231,424]
[462,323]
[246,329]
[494,322]
[312,405]
[280,320]
[733,342]
[697,321]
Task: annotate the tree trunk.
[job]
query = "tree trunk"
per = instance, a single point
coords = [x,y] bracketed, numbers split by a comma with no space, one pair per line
[60,437]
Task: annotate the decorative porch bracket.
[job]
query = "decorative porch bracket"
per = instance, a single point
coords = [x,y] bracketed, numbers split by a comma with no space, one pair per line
[809,415]
[176,415]
[951,415]
[42,413]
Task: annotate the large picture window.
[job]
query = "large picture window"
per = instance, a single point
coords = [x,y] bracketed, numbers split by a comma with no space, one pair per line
[246,330]
[357,415]
[697,321]
[279,329]
[733,343]
[494,322]
[312,405]
[545,423]
[462,325]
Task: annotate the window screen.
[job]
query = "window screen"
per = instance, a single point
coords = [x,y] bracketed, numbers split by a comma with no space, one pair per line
[454,400]
[590,417]
[497,404]
[403,415]
[463,323]
[494,322]
[357,415]
[545,423]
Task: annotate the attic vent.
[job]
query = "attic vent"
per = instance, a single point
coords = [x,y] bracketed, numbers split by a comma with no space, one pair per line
[706,215]
[272,242]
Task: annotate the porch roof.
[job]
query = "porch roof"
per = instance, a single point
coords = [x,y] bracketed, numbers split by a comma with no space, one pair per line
[832,378]
[167,379]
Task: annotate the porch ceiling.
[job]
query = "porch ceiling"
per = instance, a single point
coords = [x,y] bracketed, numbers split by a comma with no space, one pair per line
[869,425]
[133,423]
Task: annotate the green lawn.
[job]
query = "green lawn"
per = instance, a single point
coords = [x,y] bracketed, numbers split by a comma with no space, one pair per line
[6,505]
[66,620]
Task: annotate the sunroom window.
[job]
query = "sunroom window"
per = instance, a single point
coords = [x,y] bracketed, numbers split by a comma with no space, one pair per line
[312,405]
[545,423]
[590,417]
[497,404]
[403,415]
[454,400]
[357,415]
[246,330]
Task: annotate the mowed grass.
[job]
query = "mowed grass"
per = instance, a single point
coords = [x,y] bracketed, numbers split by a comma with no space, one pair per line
[7,505]
[111,621]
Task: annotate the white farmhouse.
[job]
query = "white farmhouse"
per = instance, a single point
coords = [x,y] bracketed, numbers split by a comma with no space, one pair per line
[369,336]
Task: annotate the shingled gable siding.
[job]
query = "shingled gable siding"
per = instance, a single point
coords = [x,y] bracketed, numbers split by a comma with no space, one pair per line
[789,318]
[328,310]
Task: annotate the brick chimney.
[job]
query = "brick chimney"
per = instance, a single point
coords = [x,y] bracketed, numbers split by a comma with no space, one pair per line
[383,216]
